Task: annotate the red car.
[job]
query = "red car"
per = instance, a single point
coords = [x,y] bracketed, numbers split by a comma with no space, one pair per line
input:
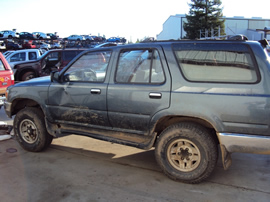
[6,77]
[28,45]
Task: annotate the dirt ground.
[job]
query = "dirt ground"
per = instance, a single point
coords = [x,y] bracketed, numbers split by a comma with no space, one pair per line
[77,168]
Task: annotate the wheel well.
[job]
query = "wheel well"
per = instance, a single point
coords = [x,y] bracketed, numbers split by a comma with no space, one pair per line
[165,122]
[19,104]
[19,74]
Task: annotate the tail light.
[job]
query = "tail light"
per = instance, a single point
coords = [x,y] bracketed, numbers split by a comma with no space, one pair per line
[12,78]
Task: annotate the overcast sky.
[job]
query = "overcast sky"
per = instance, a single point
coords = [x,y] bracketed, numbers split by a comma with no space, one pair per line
[132,19]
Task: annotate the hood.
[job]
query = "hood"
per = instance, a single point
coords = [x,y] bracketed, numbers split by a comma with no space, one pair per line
[40,81]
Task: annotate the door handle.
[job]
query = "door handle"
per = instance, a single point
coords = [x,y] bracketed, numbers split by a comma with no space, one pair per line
[95,91]
[155,95]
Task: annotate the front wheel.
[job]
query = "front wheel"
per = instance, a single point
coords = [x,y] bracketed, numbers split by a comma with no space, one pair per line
[186,152]
[30,130]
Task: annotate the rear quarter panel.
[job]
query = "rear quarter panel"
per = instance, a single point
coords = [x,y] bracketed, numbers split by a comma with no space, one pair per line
[230,108]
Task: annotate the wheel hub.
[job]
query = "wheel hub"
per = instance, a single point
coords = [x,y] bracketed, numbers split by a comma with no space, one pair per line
[28,131]
[183,155]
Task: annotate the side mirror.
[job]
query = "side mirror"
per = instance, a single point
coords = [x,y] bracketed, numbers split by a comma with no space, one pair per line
[54,76]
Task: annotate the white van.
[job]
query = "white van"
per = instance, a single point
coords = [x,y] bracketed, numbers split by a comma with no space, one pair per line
[21,56]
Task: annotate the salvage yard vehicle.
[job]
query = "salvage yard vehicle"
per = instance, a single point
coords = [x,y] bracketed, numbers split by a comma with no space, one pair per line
[8,34]
[6,78]
[185,98]
[24,55]
[50,60]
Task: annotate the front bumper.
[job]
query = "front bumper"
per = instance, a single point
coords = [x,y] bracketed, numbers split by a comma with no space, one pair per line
[7,106]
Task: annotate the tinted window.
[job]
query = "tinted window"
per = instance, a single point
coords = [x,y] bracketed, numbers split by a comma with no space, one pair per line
[139,66]
[32,55]
[53,56]
[216,62]
[17,57]
[90,67]
[69,55]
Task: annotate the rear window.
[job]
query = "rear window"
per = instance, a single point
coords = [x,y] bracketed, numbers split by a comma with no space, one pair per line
[227,63]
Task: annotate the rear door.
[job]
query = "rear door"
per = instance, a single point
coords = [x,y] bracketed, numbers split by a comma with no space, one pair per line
[139,88]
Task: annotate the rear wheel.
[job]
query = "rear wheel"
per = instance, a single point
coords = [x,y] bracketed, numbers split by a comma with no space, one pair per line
[30,129]
[27,76]
[186,152]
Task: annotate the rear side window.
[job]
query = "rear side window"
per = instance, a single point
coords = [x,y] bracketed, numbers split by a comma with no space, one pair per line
[227,63]
[32,55]
[139,66]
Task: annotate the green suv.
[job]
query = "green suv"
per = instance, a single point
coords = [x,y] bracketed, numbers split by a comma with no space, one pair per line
[185,98]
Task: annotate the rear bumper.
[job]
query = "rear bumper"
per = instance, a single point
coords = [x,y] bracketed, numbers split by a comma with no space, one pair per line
[2,101]
[244,143]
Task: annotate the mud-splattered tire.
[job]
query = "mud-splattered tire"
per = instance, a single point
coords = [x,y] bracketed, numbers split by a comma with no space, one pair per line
[30,130]
[186,152]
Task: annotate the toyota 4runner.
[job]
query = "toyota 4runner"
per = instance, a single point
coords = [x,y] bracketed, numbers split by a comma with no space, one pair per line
[185,98]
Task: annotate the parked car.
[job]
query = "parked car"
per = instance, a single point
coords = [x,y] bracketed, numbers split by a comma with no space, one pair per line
[6,77]
[98,38]
[52,36]
[2,45]
[27,35]
[114,39]
[13,46]
[56,45]
[42,45]
[75,38]
[184,98]
[25,55]
[41,35]
[28,44]
[52,60]
[6,53]
[123,40]
[7,34]
[88,38]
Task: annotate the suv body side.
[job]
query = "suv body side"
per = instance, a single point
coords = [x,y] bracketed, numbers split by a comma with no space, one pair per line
[222,106]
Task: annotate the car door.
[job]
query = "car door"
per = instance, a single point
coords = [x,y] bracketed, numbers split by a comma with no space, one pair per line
[81,98]
[139,89]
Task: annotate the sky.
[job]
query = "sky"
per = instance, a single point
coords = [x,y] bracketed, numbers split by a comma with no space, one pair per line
[132,19]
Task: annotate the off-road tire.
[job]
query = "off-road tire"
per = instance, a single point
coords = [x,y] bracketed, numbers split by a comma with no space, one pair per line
[30,130]
[186,152]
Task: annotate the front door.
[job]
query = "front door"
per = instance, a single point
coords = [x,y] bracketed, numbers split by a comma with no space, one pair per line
[81,98]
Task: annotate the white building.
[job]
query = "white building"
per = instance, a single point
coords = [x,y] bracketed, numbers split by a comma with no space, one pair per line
[173,27]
